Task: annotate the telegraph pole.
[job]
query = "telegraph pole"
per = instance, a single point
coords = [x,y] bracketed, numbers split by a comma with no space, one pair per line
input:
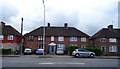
[21,36]
[44,29]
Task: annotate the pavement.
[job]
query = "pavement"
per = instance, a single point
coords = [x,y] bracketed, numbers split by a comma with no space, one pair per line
[60,56]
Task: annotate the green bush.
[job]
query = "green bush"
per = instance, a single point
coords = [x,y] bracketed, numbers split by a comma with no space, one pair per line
[97,51]
[70,49]
[6,51]
[13,53]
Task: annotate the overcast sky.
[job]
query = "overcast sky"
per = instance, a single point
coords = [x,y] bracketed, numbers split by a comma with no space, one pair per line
[88,16]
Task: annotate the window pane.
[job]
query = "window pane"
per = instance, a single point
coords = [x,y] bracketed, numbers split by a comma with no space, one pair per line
[60,38]
[73,38]
[31,38]
[102,39]
[1,37]
[10,37]
[112,49]
[112,39]
[52,38]
[83,39]
[40,37]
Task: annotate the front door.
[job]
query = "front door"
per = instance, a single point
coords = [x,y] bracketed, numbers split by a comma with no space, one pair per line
[52,49]
[103,49]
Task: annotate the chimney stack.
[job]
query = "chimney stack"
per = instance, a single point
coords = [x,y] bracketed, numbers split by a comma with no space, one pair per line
[66,25]
[110,27]
[2,24]
[48,25]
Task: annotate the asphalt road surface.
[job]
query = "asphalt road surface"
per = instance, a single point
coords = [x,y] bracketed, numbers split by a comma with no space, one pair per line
[57,62]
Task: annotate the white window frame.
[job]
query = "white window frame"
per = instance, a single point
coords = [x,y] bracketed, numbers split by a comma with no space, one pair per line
[73,45]
[10,37]
[112,40]
[101,39]
[52,38]
[40,38]
[60,38]
[113,48]
[30,37]
[83,46]
[60,46]
[1,37]
[83,39]
[73,38]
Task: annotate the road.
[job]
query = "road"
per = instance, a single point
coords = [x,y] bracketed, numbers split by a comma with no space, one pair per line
[57,62]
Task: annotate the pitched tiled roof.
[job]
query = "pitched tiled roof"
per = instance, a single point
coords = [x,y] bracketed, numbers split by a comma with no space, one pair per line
[57,31]
[107,33]
[9,30]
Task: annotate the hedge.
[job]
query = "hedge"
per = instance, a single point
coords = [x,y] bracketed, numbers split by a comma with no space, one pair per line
[6,51]
[97,51]
[70,49]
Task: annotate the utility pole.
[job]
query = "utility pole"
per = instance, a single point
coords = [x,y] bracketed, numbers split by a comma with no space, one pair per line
[44,29]
[21,36]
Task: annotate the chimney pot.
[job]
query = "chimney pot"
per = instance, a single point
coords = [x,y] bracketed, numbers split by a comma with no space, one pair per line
[66,25]
[2,24]
[110,27]
[49,25]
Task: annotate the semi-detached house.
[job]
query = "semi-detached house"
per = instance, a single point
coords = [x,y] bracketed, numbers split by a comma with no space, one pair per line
[9,37]
[55,38]
[108,40]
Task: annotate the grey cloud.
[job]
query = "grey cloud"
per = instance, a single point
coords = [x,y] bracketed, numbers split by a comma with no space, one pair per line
[8,11]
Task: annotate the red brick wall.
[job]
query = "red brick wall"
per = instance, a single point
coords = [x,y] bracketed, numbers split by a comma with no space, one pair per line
[33,44]
[107,44]
[16,39]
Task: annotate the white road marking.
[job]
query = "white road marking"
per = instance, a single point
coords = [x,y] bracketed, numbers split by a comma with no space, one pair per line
[75,63]
[46,63]
[60,63]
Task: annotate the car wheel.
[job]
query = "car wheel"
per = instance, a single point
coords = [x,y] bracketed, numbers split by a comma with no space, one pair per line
[91,55]
[77,55]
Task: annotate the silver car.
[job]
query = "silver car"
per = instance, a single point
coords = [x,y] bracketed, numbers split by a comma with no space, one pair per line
[83,53]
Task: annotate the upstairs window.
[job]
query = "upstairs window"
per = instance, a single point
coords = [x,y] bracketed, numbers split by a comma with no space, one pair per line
[1,37]
[40,38]
[73,38]
[102,39]
[83,39]
[31,38]
[52,38]
[60,38]
[112,39]
[10,37]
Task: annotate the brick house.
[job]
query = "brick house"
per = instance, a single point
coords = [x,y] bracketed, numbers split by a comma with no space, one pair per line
[55,38]
[9,37]
[107,39]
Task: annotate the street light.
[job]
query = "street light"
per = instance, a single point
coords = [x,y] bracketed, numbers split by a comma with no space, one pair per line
[44,29]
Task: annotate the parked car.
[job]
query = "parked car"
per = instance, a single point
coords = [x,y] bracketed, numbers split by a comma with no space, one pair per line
[27,51]
[83,53]
[60,51]
[39,51]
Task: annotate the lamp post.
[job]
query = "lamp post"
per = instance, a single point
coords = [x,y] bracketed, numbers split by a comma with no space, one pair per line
[44,29]
[21,36]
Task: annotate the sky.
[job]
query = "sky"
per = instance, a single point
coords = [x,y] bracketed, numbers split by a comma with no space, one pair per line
[89,16]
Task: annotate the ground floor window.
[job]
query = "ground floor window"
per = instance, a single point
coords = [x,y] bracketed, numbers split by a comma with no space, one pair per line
[73,44]
[40,46]
[83,46]
[112,48]
[60,46]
